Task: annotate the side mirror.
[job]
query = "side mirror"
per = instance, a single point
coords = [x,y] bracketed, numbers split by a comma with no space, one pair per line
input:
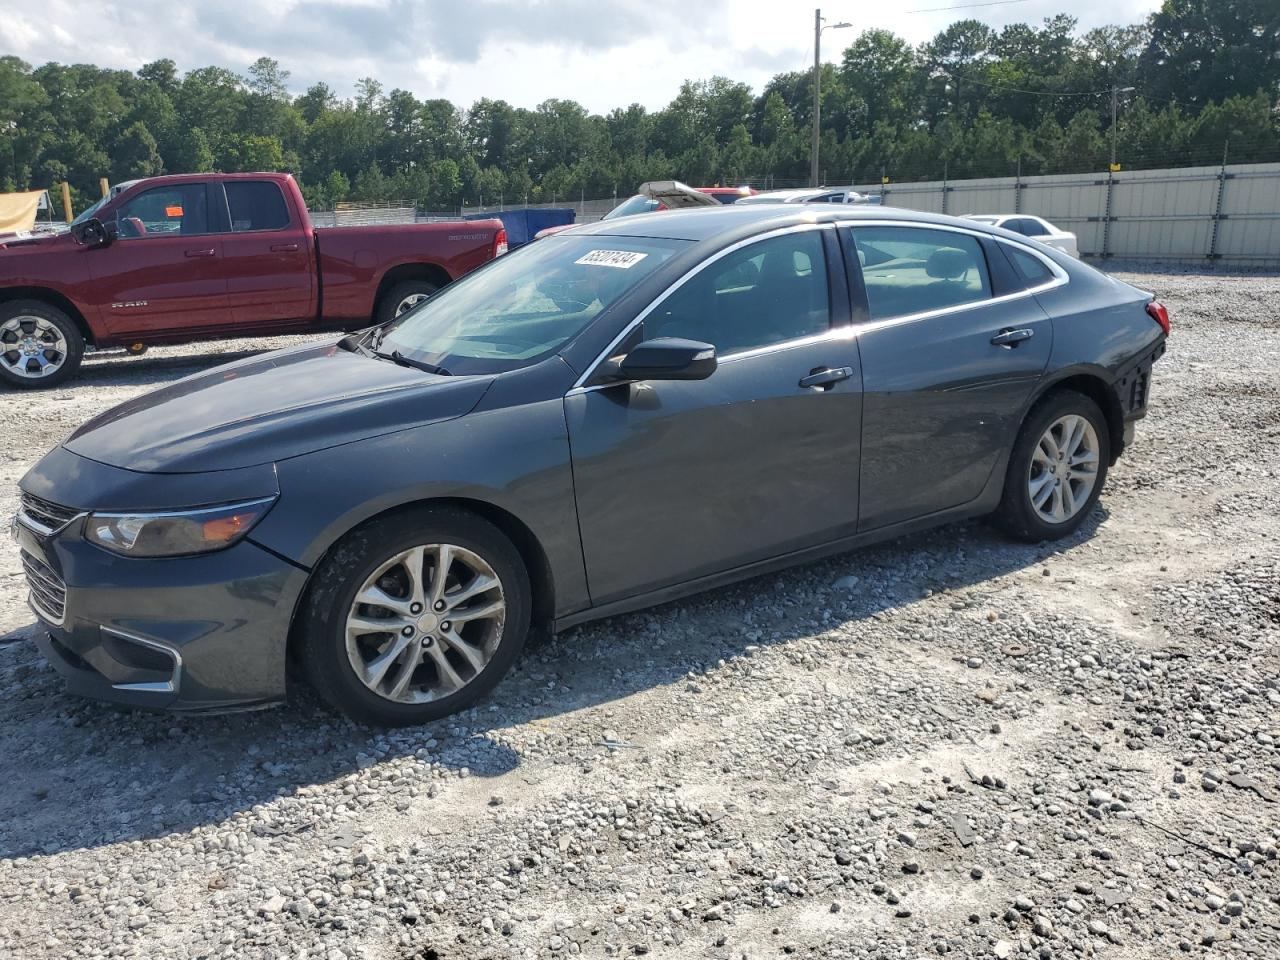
[94,233]
[668,358]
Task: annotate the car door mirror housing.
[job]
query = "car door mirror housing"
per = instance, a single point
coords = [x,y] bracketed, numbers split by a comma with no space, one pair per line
[668,358]
[94,233]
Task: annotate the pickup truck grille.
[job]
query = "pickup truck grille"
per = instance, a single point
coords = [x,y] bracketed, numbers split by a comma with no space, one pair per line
[48,591]
[43,516]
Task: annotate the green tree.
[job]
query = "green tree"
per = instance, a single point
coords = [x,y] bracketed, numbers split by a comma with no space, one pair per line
[1207,50]
[134,154]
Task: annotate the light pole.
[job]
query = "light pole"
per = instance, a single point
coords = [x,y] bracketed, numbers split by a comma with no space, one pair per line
[817,88]
[1115,116]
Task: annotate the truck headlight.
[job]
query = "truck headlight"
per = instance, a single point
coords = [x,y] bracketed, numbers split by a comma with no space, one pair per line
[175,533]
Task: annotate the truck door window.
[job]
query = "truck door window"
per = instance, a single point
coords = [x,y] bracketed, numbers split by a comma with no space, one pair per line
[256,205]
[164,211]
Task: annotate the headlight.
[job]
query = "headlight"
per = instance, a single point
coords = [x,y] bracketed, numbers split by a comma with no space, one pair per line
[172,534]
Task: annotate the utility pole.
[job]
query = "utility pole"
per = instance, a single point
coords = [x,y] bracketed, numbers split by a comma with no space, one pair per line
[817,89]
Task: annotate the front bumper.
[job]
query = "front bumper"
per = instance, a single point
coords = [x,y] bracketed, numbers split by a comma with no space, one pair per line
[201,633]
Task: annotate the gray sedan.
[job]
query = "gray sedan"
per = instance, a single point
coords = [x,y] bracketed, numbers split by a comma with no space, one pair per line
[613,417]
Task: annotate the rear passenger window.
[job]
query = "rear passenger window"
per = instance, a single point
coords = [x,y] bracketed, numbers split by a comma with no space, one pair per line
[1030,268]
[256,205]
[768,292]
[908,270]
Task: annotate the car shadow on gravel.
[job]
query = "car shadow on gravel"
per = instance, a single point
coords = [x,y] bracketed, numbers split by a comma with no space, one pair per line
[80,774]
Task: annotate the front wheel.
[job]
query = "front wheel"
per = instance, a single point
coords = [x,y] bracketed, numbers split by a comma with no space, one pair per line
[1057,468]
[415,616]
[40,346]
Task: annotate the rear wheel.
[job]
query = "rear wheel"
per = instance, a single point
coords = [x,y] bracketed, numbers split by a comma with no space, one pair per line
[1057,468]
[401,298]
[40,346]
[415,616]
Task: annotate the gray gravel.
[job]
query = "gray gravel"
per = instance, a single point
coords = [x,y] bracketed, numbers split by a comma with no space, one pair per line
[946,745]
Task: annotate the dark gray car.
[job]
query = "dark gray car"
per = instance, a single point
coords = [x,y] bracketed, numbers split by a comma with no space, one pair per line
[613,417]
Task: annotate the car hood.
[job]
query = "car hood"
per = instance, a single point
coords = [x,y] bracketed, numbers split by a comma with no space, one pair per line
[270,408]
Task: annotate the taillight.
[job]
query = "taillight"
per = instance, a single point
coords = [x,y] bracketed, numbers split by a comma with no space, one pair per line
[1160,314]
[500,242]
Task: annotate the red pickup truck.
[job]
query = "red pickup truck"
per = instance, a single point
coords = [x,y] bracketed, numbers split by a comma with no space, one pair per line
[202,256]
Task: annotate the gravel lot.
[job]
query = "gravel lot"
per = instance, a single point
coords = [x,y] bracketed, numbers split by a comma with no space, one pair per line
[946,745]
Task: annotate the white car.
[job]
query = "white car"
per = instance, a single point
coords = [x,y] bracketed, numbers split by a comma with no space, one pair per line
[1033,227]
[808,195]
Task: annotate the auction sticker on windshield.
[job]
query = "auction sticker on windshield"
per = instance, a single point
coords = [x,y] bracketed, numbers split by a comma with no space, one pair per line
[622,259]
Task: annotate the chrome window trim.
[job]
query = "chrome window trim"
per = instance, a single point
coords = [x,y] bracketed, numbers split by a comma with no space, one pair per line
[151,686]
[1060,277]
[680,282]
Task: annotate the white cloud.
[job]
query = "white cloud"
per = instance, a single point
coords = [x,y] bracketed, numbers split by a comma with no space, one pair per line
[603,53]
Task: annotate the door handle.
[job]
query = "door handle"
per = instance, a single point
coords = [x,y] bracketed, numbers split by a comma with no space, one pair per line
[824,378]
[1011,338]
[206,252]
[284,248]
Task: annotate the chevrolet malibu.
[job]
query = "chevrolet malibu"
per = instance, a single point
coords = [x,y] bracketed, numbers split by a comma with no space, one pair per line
[622,414]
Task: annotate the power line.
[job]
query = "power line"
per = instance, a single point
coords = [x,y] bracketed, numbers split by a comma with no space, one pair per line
[965,6]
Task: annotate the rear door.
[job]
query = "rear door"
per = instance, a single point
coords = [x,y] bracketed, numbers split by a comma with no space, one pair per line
[952,347]
[164,272]
[271,274]
[681,480]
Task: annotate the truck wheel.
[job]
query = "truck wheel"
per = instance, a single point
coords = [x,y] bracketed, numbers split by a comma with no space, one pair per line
[403,296]
[40,346]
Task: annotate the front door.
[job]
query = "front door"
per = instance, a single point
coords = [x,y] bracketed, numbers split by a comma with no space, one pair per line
[164,271]
[947,369]
[680,480]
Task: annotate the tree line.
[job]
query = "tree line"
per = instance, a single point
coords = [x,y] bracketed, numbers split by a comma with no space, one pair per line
[1193,79]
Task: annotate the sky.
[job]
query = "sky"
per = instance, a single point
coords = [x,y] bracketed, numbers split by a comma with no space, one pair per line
[602,53]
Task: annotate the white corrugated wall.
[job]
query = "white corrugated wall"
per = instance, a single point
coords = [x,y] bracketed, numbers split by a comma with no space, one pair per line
[1153,213]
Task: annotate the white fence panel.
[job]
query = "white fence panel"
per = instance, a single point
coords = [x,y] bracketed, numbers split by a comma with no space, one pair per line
[1229,213]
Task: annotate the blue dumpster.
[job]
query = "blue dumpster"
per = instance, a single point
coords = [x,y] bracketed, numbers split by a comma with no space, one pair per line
[523,224]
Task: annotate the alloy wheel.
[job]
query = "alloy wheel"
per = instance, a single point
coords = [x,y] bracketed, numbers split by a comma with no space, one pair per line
[1064,469]
[425,623]
[32,347]
[409,302]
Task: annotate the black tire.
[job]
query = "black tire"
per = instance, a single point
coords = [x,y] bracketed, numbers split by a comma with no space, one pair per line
[346,568]
[1017,515]
[69,361]
[385,311]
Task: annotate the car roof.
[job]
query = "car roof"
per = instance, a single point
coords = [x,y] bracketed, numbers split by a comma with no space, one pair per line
[800,193]
[746,219]
[1003,216]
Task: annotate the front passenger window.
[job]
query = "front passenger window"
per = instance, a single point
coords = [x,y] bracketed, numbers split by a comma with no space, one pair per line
[910,270]
[164,211]
[768,292]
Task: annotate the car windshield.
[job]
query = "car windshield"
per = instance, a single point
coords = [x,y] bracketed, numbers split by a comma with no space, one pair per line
[637,204]
[525,305]
[89,212]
